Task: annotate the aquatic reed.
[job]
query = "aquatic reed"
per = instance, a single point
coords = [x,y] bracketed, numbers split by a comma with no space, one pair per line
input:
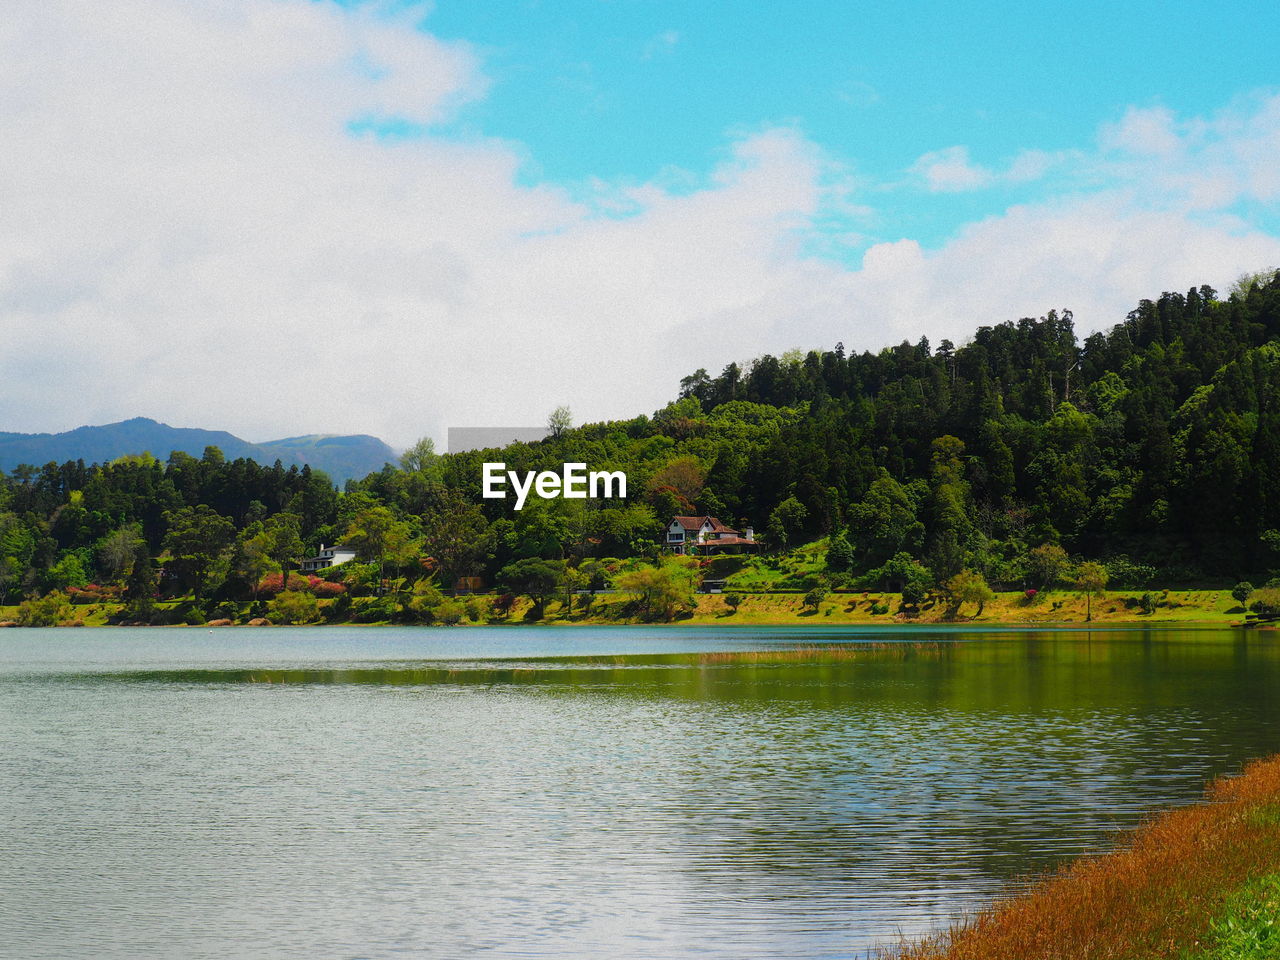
[1155,896]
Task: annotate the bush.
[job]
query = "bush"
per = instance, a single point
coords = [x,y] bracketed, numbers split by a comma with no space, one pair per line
[449,612]
[659,593]
[374,610]
[1242,591]
[273,584]
[813,599]
[477,609]
[294,606]
[914,591]
[326,590]
[1147,603]
[733,601]
[47,611]
[1266,602]
[339,609]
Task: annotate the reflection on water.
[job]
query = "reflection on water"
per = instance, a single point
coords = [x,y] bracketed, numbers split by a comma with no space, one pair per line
[384,793]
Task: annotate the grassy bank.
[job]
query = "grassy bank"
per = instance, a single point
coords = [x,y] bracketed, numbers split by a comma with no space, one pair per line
[1214,607]
[1195,883]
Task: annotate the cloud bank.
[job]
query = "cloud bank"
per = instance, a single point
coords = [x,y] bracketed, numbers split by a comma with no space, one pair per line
[195,228]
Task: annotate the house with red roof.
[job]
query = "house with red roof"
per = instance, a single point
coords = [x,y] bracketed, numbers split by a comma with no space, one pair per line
[707,535]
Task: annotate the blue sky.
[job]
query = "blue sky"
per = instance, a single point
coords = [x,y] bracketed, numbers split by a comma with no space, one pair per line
[280,217]
[629,89]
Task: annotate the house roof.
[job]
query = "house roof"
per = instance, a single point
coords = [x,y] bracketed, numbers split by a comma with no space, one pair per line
[695,523]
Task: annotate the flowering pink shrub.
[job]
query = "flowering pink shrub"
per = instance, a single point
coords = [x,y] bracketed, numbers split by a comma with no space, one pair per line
[272,584]
[93,593]
[326,590]
[1030,594]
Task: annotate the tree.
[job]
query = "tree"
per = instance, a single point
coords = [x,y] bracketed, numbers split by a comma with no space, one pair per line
[914,592]
[116,551]
[376,534]
[1047,563]
[456,536]
[533,577]
[253,557]
[283,534]
[733,601]
[421,457]
[1241,592]
[560,420]
[659,592]
[787,522]
[969,586]
[813,599]
[839,552]
[683,478]
[1091,580]
[197,541]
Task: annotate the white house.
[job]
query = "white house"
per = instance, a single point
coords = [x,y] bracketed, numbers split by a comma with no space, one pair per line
[706,534]
[328,557]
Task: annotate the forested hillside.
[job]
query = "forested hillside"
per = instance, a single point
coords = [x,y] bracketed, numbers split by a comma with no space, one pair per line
[1153,447]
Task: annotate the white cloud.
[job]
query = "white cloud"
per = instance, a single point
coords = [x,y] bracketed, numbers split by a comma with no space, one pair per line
[190,232]
[950,171]
[1147,131]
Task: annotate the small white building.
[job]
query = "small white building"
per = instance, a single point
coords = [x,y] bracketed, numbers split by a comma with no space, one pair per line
[328,557]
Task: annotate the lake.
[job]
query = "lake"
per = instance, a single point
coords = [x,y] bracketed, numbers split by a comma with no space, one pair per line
[619,792]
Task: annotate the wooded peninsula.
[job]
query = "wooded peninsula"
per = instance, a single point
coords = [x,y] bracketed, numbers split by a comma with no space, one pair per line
[1024,475]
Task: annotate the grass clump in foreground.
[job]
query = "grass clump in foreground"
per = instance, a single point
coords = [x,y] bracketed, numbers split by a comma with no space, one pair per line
[1196,883]
[1249,928]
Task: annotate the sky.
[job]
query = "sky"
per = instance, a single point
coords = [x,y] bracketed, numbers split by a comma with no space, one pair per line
[279,217]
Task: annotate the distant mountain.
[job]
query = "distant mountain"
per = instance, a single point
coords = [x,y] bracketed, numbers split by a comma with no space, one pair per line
[341,457]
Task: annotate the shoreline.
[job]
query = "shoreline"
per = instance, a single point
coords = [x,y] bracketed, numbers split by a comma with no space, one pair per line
[1195,882]
[1189,609]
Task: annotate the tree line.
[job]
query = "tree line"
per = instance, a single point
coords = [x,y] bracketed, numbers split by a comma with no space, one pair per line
[1151,449]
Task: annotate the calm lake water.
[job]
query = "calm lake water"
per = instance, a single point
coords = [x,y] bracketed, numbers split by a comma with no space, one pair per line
[541,792]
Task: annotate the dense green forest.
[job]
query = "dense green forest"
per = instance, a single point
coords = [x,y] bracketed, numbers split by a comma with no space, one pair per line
[1153,448]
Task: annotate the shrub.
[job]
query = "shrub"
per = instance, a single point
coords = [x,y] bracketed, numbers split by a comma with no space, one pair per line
[914,591]
[813,599]
[273,584]
[1147,603]
[659,593]
[1242,591]
[294,606]
[1266,602]
[374,609]
[449,612]
[46,611]
[328,591]
[477,609]
[733,601]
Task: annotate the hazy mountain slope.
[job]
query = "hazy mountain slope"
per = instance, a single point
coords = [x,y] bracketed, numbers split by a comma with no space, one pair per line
[341,457]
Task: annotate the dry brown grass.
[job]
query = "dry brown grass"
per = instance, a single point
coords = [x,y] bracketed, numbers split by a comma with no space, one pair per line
[1153,897]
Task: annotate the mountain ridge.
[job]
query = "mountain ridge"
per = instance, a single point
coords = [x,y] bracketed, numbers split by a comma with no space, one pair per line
[341,456]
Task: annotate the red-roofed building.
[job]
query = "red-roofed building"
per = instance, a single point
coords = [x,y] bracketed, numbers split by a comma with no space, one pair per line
[707,535]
